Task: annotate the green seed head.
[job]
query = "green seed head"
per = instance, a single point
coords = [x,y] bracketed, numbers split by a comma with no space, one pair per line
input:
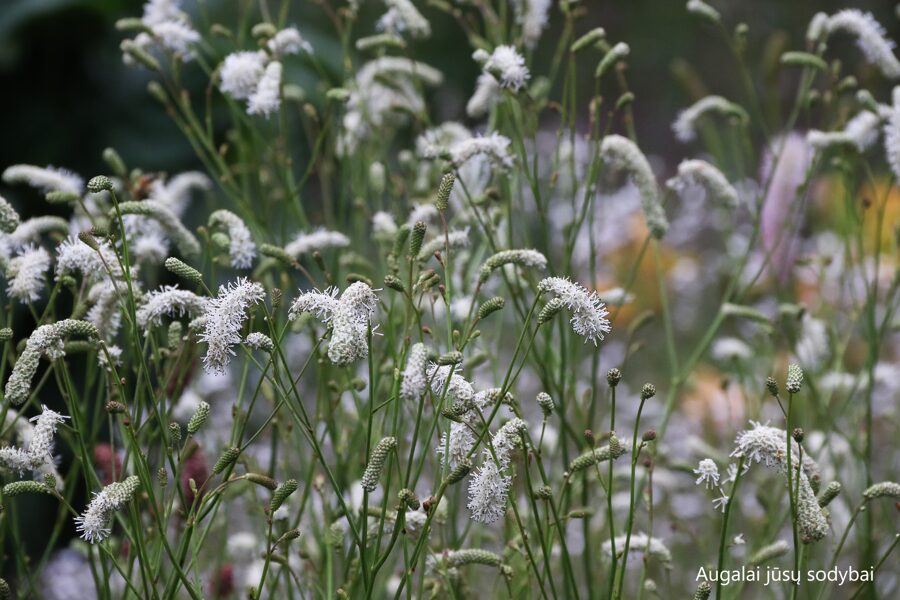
[229,456]
[100,183]
[416,239]
[491,306]
[376,463]
[281,494]
[442,199]
[199,418]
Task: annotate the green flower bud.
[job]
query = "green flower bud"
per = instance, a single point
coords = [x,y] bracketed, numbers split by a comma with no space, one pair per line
[376,463]
[491,306]
[199,418]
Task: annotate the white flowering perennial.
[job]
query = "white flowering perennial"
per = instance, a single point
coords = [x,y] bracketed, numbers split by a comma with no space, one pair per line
[405,17]
[870,38]
[288,41]
[494,146]
[383,94]
[45,179]
[241,248]
[707,473]
[526,258]
[167,28]
[414,383]
[74,256]
[46,340]
[320,239]
[892,134]
[457,387]
[169,300]
[489,486]
[768,445]
[685,126]
[486,95]
[860,133]
[588,310]
[266,99]
[259,341]
[506,65]
[699,173]
[25,274]
[640,542]
[94,522]
[621,154]
[348,315]
[224,318]
[40,447]
[240,73]
[533,17]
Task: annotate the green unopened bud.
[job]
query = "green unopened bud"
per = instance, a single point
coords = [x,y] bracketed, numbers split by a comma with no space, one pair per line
[199,418]
[589,39]
[648,391]
[6,334]
[175,333]
[5,591]
[175,432]
[17,488]
[400,239]
[459,472]
[885,489]
[60,197]
[614,450]
[416,239]
[490,306]
[794,378]
[703,591]
[378,41]
[262,480]
[89,240]
[9,218]
[442,199]
[227,459]
[282,493]
[183,270]
[409,499]
[772,386]
[394,283]
[472,556]
[804,59]
[546,403]
[704,11]
[263,30]
[162,477]
[549,311]
[767,553]
[830,492]
[613,377]
[615,54]
[376,463]
[115,408]
[139,55]
[288,536]
[450,358]
[115,162]
[543,493]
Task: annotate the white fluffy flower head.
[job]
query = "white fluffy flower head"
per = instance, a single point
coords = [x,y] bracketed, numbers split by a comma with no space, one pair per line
[588,311]
[225,316]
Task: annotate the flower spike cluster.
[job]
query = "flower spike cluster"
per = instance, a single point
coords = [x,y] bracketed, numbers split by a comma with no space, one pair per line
[588,311]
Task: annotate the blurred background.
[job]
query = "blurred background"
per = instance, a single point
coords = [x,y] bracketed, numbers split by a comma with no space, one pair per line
[66,94]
